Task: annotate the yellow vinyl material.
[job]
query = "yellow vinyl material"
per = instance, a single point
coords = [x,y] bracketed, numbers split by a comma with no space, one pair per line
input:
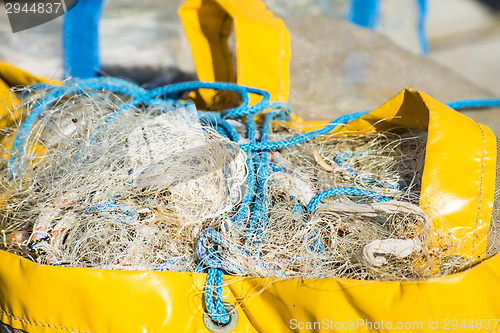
[262,44]
[60,299]
[56,299]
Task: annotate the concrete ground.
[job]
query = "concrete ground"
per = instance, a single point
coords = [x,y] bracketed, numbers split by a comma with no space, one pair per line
[467,41]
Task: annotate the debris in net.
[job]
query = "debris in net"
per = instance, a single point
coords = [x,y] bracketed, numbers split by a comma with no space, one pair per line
[104,185]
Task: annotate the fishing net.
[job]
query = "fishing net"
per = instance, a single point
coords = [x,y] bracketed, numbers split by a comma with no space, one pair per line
[369,224]
[119,178]
[118,188]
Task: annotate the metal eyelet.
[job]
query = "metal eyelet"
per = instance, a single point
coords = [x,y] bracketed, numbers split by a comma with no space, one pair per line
[218,328]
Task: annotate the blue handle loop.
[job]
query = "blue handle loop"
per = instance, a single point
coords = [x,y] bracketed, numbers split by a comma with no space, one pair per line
[258,218]
[81,39]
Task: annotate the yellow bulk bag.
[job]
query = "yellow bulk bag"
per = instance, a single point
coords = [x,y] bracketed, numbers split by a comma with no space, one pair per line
[42,298]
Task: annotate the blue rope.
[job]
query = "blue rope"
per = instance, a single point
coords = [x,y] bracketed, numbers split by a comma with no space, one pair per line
[124,214]
[343,191]
[303,137]
[252,163]
[475,103]
[256,212]
[364,13]
[207,251]
[214,296]
[257,166]
[167,264]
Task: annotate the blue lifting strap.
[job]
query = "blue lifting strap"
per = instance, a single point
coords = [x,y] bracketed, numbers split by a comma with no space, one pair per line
[422,35]
[81,39]
[364,13]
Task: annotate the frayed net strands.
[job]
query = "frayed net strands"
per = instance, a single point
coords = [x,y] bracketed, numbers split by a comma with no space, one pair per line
[104,174]
[128,192]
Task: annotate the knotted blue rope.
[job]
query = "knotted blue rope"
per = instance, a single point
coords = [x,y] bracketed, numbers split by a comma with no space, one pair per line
[209,255]
[208,250]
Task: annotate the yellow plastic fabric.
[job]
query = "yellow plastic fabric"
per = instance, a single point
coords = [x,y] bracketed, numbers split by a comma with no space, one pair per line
[57,299]
[54,299]
[262,44]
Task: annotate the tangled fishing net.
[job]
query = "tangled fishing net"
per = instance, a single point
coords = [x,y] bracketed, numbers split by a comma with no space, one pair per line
[103,174]
[130,191]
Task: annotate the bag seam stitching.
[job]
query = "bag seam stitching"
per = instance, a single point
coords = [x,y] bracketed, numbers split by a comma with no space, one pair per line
[480,185]
[37,324]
